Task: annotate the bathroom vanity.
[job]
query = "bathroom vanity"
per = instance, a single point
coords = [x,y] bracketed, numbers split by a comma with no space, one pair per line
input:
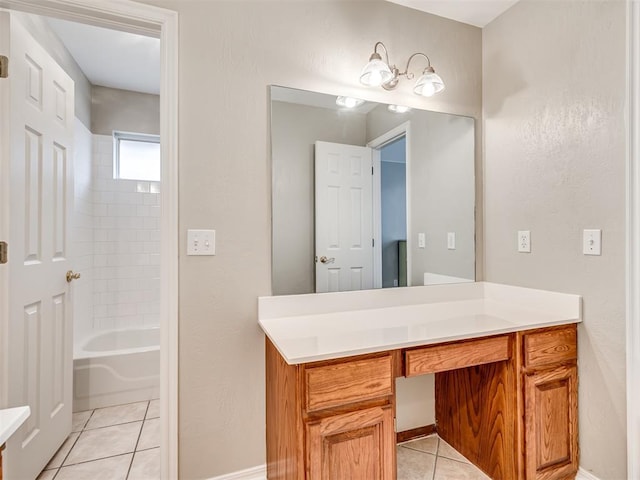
[505,365]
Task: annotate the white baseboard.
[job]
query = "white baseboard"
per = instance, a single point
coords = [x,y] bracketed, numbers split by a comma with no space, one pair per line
[254,473]
[584,475]
[260,473]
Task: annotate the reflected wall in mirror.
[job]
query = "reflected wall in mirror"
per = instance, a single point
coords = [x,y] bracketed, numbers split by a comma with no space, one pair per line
[368,198]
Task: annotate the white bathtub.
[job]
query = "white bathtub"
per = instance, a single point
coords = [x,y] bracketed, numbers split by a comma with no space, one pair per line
[115,367]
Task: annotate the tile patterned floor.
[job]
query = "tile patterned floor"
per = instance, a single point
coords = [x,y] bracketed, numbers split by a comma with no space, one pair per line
[122,443]
[113,443]
[431,458]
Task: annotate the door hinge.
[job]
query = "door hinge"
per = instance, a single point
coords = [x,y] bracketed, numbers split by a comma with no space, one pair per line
[371,170]
[4,66]
[4,247]
[373,242]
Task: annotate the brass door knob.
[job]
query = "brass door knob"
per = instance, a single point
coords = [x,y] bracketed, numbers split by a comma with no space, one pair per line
[72,276]
[324,259]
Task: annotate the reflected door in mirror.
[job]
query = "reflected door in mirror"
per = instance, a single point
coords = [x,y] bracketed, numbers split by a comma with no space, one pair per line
[343,212]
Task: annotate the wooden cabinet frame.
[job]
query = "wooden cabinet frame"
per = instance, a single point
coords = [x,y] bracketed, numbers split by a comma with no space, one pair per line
[508,403]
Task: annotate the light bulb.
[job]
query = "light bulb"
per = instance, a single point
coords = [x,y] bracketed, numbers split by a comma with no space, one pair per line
[429,83]
[398,108]
[349,102]
[375,73]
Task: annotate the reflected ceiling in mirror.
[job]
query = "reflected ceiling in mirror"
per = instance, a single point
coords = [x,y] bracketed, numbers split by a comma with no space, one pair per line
[368,197]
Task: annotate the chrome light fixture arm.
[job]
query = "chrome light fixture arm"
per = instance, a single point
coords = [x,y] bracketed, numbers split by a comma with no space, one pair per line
[409,74]
[377,55]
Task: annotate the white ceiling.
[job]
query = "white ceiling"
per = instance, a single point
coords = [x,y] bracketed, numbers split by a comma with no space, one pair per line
[473,12]
[111,58]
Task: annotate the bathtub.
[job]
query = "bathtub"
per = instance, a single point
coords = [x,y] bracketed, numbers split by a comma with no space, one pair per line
[116,367]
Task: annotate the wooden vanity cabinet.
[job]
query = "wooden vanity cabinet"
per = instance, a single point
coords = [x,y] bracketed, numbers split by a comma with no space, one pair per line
[331,420]
[358,444]
[516,417]
[507,402]
[551,403]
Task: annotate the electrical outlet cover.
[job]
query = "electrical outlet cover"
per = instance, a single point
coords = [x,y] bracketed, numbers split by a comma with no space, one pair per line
[524,241]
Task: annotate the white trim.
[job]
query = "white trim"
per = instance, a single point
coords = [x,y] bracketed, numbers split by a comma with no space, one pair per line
[584,475]
[255,473]
[149,20]
[404,129]
[122,15]
[633,241]
[377,218]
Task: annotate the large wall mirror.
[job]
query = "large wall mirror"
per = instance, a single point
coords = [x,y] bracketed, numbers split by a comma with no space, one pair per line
[369,196]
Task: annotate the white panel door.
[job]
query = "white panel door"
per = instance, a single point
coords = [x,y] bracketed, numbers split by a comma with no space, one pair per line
[344,217]
[37,139]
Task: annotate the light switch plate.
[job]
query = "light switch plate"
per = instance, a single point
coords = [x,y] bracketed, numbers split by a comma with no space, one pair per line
[201,242]
[524,241]
[451,240]
[421,240]
[592,242]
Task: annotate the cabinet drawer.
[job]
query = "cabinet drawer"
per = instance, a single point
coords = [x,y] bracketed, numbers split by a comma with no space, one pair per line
[440,358]
[550,346]
[348,382]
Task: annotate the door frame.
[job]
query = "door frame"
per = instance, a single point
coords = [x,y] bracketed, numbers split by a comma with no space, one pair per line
[404,129]
[161,23]
[633,239]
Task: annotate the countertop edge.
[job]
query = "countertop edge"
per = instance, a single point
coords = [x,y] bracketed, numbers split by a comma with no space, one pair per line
[10,420]
[304,359]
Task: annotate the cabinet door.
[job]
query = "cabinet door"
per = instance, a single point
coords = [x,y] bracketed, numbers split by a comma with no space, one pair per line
[551,430]
[356,445]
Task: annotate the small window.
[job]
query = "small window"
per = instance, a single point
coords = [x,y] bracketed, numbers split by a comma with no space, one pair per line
[136,156]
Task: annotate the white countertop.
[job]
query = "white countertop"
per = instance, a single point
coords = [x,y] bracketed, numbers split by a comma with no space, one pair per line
[308,328]
[10,421]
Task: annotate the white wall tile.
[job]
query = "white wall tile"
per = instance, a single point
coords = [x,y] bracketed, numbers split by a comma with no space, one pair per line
[116,242]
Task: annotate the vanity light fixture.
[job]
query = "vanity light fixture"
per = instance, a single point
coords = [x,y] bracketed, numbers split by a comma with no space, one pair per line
[398,108]
[349,102]
[379,73]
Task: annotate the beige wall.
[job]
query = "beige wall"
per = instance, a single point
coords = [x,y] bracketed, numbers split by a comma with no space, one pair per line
[229,53]
[554,102]
[124,110]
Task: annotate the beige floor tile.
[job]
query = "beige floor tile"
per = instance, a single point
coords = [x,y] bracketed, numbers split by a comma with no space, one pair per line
[47,475]
[112,468]
[104,442]
[104,417]
[414,465]
[62,452]
[154,409]
[150,436]
[446,450]
[447,469]
[146,465]
[80,420]
[427,444]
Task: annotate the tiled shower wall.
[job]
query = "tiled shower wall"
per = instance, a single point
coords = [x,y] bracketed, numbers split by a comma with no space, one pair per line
[126,234]
[82,232]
